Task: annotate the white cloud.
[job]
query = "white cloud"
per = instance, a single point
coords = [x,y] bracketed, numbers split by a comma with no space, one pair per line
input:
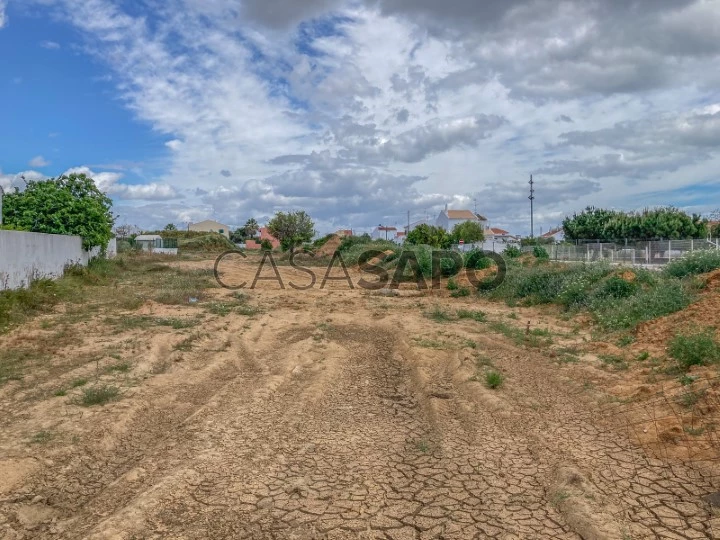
[39,162]
[384,106]
[3,16]
[50,45]
[109,182]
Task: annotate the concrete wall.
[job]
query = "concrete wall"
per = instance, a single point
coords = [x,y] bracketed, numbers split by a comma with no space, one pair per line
[26,256]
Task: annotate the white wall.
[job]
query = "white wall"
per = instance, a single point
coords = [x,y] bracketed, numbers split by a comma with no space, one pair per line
[26,256]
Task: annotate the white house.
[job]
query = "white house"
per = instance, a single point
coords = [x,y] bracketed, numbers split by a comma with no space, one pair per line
[449,218]
[384,233]
[556,235]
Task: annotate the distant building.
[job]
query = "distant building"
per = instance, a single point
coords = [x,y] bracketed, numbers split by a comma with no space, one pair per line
[344,232]
[556,235]
[400,237]
[449,218]
[211,226]
[495,234]
[155,244]
[264,235]
[384,233]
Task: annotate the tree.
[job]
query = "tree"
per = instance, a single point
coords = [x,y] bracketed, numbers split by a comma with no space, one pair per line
[251,228]
[292,229]
[468,231]
[66,205]
[170,227]
[649,224]
[429,235]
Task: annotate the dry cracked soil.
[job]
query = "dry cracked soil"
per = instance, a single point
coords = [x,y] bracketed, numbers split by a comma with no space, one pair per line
[326,414]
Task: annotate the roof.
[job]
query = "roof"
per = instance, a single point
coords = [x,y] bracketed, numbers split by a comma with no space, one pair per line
[401,233]
[461,214]
[495,230]
[552,232]
[481,218]
[387,228]
[212,221]
[148,237]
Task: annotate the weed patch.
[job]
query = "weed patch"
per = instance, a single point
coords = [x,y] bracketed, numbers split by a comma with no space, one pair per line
[98,395]
[695,349]
[494,379]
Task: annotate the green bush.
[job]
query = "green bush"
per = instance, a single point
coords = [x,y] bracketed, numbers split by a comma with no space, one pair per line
[616,287]
[452,285]
[512,252]
[212,242]
[698,262]
[476,260]
[624,313]
[494,379]
[540,253]
[696,349]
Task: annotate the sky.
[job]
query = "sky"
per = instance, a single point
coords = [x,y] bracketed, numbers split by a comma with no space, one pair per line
[360,111]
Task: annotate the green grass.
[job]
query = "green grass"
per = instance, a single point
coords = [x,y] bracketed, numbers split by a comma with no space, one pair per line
[479,316]
[439,315]
[77,383]
[698,262]
[615,303]
[462,292]
[432,344]
[494,379]
[98,395]
[614,361]
[120,367]
[519,336]
[698,348]
[42,437]
[60,393]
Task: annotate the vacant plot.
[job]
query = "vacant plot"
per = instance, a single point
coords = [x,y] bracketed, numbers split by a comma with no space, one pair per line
[140,400]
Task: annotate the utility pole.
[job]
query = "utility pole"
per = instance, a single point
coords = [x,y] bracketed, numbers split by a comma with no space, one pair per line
[475,202]
[408,229]
[532,210]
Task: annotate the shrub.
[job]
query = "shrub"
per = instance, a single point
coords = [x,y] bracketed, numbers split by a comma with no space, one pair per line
[479,316]
[696,349]
[266,245]
[98,395]
[207,242]
[477,260]
[698,262]
[624,313]
[452,285]
[616,287]
[512,252]
[460,293]
[493,379]
[540,253]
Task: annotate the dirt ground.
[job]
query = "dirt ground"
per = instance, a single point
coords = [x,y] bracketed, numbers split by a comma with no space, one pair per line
[330,413]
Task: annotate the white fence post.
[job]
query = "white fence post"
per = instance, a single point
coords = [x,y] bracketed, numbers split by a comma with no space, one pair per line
[669,250]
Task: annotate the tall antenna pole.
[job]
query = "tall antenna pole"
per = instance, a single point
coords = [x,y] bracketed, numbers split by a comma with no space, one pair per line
[532,210]
[475,202]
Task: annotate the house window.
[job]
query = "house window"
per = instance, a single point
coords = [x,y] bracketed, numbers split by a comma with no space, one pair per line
[222,231]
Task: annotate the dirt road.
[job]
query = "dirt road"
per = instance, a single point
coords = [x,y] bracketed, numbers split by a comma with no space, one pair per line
[336,414]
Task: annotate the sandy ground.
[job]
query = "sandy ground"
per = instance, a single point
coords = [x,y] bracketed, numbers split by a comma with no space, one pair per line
[329,414]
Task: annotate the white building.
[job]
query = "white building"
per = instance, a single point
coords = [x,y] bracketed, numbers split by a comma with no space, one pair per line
[556,235]
[449,218]
[210,225]
[384,233]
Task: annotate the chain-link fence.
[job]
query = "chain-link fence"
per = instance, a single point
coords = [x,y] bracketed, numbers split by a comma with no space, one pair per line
[658,252]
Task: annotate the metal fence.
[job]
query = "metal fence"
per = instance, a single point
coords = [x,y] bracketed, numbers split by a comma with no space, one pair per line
[658,252]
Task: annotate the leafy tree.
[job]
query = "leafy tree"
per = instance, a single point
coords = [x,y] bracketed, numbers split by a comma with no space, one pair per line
[266,245]
[251,228]
[292,229]
[66,205]
[429,235]
[170,227]
[468,231]
[649,224]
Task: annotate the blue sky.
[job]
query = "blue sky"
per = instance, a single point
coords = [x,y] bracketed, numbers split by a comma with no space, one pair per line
[359,111]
